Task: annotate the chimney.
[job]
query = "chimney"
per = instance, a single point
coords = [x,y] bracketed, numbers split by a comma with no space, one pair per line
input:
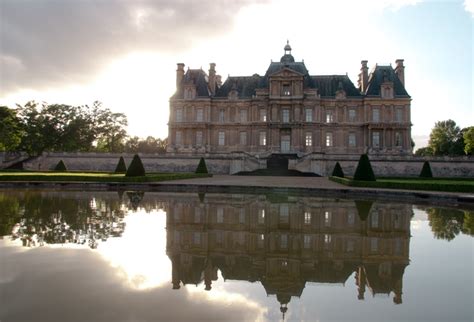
[212,78]
[364,76]
[219,80]
[400,71]
[179,75]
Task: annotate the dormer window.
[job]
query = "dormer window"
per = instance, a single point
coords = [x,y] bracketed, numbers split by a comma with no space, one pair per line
[286,91]
[387,91]
[188,93]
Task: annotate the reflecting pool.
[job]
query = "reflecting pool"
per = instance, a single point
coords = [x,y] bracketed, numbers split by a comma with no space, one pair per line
[135,256]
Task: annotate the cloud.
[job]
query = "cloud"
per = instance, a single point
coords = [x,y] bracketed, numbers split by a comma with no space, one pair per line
[51,42]
[80,286]
[469,6]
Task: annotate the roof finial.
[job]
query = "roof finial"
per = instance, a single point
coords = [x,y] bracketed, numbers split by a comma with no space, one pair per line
[287,48]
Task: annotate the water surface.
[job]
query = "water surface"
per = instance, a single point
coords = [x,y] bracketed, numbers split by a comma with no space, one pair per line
[134,256]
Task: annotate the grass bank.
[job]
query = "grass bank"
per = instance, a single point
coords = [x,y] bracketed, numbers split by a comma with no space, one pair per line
[434,184]
[51,176]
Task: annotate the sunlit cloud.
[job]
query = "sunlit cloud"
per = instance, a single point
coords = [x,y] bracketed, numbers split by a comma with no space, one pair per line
[138,256]
[469,6]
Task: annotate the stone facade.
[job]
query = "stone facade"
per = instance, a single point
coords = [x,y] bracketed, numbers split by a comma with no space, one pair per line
[289,111]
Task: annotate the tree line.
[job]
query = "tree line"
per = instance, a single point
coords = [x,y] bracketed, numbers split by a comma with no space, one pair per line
[446,138]
[40,127]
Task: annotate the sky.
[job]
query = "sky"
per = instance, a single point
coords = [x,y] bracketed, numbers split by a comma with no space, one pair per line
[124,53]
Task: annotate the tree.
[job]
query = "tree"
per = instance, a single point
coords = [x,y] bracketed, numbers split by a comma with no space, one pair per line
[60,127]
[446,139]
[135,169]
[148,145]
[121,167]
[60,166]
[445,223]
[364,169]
[201,168]
[424,152]
[468,137]
[426,171]
[337,171]
[10,130]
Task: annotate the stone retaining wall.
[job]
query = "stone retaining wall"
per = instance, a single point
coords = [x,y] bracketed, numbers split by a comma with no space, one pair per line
[235,162]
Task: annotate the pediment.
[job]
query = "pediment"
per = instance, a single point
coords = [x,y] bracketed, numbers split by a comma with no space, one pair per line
[286,72]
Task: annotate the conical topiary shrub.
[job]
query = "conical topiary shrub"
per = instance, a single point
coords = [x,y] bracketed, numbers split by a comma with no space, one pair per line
[426,171]
[121,167]
[337,171]
[60,166]
[364,169]
[201,168]
[135,169]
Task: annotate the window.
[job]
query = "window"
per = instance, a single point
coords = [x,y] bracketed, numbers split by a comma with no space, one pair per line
[286,90]
[309,115]
[263,138]
[243,138]
[309,139]
[374,244]
[286,116]
[199,115]
[350,217]
[387,92]
[398,139]
[179,115]
[399,115]
[219,237]
[374,220]
[352,140]
[198,138]
[221,115]
[329,141]
[350,246]
[307,241]
[284,213]
[197,215]
[375,115]
[352,115]
[285,143]
[327,239]
[327,218]
[243,116]
[261,216]
[242,216]
[307,217]
[329,117]
[197,238]
[188,93]
[177,238]
[221,138]
[284,241]
[179,137]
[263,115]
[260,240]
[375,139]
[220,215]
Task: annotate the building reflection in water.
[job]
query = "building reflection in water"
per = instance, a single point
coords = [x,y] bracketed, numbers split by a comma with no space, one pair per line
[286,242]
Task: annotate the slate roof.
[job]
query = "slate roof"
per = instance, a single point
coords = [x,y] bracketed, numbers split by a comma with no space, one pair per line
[381,74]
[298,67]
[245,85]
[197,77]
[327,85]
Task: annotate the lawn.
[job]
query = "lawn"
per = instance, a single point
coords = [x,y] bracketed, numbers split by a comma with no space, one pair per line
[434,184]
[51,176]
